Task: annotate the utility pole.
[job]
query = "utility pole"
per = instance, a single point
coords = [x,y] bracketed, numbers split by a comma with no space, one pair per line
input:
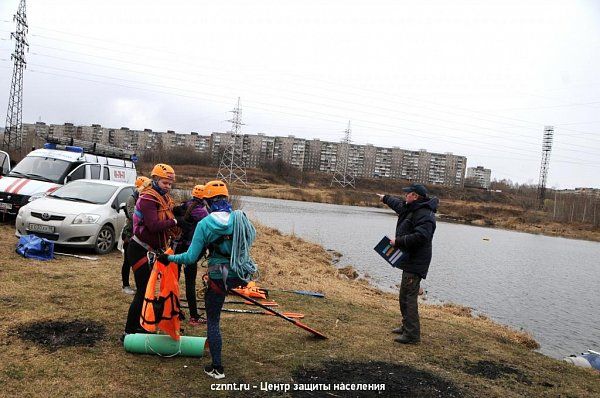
[546,149]
[342,175]
[13,133]
[232,168]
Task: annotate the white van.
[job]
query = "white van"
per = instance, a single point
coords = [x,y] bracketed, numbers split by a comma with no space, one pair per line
[44,170]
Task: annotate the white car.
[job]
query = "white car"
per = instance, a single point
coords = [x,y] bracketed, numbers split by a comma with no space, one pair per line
[82,213]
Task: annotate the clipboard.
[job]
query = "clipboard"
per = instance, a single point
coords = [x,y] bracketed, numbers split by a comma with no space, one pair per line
[391,254]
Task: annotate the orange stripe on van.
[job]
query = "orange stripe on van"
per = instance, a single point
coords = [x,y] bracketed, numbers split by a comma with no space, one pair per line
[20,186]
[8,188]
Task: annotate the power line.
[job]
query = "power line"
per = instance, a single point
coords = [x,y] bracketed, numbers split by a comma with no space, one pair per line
[270,110]
[266,104]
[166,51]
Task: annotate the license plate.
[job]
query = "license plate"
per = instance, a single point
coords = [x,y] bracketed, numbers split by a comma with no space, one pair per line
[47,229]
[5,206]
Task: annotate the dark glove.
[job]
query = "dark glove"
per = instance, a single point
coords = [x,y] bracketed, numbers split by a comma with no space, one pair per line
[162,258]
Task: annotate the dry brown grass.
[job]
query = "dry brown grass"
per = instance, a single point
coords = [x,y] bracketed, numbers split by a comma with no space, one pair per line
[356,317]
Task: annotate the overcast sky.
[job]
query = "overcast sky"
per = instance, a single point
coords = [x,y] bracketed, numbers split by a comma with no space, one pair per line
[475,78]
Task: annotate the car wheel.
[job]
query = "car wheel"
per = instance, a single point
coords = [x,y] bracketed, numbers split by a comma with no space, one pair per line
[105,241]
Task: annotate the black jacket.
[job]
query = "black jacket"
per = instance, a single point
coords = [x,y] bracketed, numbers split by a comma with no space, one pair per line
[414,232]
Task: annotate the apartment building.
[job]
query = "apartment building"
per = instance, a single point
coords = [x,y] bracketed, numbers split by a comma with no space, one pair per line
[480,176]
[367,161]
[312,154]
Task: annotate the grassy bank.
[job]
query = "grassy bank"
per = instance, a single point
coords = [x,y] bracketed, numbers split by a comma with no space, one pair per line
[460,355]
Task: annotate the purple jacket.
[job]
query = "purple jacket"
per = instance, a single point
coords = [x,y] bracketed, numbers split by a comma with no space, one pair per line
[151,230]
[197,214]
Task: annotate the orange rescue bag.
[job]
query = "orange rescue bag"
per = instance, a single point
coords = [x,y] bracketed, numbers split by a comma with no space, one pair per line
[161,309]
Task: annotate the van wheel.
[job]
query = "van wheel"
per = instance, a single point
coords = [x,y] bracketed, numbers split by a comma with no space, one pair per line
[105,241]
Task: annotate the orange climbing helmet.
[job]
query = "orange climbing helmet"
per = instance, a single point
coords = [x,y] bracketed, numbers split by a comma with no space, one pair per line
[198,192]
[162,170]
[141,182]
[215,188]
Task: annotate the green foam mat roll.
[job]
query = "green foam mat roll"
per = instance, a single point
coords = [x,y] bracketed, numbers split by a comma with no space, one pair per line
[164,345]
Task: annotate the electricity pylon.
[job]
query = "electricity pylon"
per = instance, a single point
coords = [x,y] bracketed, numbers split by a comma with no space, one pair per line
[342,175]
[546,149]
[13,133]
[232,168]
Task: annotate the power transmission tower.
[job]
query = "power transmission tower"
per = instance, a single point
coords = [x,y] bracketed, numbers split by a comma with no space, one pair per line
[342,175]
[13,133]
[232,168]
[546,149]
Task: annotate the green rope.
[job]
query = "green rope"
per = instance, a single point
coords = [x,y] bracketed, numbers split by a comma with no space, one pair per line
[244,235]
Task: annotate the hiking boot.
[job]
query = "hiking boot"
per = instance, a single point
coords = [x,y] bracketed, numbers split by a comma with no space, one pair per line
[197,321]
[216,372]
[399,330]
[404,339]
[128,290]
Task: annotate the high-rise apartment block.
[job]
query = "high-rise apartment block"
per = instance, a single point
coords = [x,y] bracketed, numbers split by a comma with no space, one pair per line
[367,161]
[479,176]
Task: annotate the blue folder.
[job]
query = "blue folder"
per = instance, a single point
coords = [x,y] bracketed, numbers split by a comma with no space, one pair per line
[391,254]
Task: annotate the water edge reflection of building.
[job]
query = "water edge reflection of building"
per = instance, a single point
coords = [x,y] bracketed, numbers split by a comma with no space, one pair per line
[367,161]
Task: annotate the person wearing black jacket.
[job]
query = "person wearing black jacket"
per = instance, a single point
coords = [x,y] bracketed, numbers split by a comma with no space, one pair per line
[414,234]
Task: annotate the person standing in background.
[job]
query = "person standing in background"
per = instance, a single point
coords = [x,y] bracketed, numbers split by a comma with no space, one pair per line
[141,183]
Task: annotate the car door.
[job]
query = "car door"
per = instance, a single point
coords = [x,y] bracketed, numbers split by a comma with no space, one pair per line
[120,217]
[4,163]
[77,174]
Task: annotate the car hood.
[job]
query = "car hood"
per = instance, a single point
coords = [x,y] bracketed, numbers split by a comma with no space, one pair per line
[64,207]
[25,186]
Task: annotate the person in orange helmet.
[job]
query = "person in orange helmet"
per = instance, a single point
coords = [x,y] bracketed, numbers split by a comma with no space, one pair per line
[141,183]
[192,211]
[154,226]
[214,232]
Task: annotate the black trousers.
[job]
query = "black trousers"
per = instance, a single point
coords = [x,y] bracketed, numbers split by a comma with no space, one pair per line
[409,308]
[190,273]
[125,267]
[135,252]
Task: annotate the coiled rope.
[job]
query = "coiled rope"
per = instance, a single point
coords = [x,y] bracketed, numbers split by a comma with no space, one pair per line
[244,235]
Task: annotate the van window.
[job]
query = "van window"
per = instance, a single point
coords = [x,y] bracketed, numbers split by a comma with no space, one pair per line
[95,171]
[78,173]
[106,173]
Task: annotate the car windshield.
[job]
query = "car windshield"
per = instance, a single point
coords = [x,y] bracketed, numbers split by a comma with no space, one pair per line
[85,191]
[36,167]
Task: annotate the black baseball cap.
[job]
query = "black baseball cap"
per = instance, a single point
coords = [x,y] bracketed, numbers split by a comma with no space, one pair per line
[418,189]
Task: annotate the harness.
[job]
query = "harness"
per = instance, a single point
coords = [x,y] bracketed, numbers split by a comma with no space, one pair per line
[213,248]
[144,259]
[165,212]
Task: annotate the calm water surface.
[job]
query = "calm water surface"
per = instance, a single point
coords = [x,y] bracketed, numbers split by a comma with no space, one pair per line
[547,286]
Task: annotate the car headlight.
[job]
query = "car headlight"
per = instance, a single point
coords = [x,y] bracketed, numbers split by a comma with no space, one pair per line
[84,218]
[36,196]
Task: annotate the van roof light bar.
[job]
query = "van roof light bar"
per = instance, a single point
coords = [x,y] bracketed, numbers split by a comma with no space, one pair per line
[93,148]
